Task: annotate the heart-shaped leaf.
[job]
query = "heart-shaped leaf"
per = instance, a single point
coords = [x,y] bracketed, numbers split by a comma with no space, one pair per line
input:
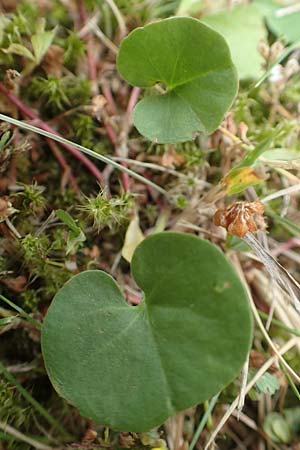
[243,28]
[286,26]
[282,19]
[132,367]
[193,62]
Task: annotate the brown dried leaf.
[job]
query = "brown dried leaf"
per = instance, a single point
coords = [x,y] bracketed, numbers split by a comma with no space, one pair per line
[17,284]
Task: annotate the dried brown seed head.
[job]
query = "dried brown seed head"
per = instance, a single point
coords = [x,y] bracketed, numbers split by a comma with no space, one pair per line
[238,218]
[6,208]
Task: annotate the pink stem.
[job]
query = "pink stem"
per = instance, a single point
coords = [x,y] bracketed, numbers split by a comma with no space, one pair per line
[43,125]
[293,242]
[92,67]
[57,153]
[125,179]
[110,132]
[131,104]
[90,54]
[134,96]
[127,122]
[109,98]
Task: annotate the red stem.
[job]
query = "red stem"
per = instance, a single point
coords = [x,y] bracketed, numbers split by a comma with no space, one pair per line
[128,118]
[90,54]
[57,153]
[134,96]
[112,109]
[125,179]
[110,132]
[127,122]
[26,111]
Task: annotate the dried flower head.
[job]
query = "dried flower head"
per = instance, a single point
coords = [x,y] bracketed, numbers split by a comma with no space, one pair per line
[6,208]
[238,218]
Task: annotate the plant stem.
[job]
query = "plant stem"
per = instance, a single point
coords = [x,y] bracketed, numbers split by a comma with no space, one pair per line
[290,380]
[109,98]
[90,54]
[134,96]
[22,313]
[106,159]
[31,115]
[203,421]
[122,147]
[284,54]
[67,170]
[119,17]
[41,410]
[104,39]
[290,344]
[22,437]
[279,324]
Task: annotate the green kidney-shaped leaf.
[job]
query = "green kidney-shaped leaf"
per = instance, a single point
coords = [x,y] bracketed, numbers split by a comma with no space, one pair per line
[243,28]
[281,18]
[285,26]
[131,368]
[193,62]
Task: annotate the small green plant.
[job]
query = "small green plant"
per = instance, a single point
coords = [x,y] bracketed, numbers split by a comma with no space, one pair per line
[199,80]
[13,409]
[179,347]
[52,90]
[107,211]
[183,343]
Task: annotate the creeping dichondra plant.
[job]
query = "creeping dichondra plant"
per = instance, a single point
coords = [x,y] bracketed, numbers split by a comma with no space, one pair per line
[193,301]
[127,367]
[132,367]
[200,79]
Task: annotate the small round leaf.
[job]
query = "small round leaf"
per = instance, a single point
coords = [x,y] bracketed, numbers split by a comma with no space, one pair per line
[131,368]
[283,23]
[243,28]
[193,63]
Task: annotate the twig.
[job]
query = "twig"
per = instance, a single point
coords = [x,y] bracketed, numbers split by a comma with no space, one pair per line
[22,437]
[281,193]
[282,277]
[153,166]
[230,135]
[110,132]
[293,242]
[82,149]
[122,148]
[179,431]
[287,315]
[287,10]
[203,421]
[67,169]
[120,144]
[12,228]
[134,96]
[242,394]
[104,39]
[290,344]
[41,410]
[108,97]
[119,17]
[245,419]
[190,226]
[259,321]
[22,313]
[284,54]
[90,53]
[25,110]
[89,25]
